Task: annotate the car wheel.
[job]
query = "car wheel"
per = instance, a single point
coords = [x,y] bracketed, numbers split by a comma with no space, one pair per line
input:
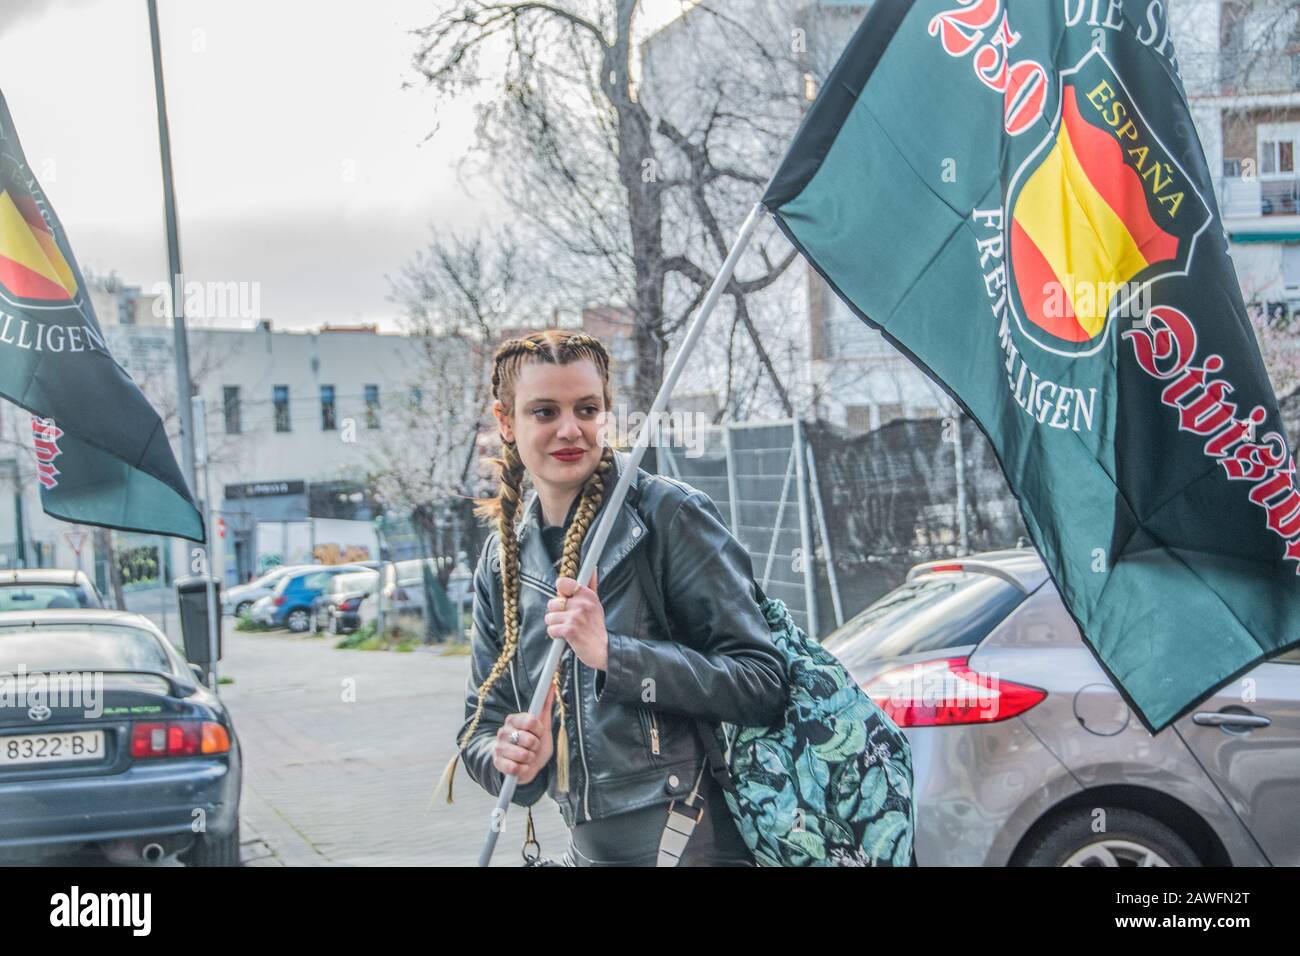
[1129,839]
[298,620]
[242,608]
[214,851]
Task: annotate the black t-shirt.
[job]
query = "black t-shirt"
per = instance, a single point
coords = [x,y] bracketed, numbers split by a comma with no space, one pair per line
[553,535]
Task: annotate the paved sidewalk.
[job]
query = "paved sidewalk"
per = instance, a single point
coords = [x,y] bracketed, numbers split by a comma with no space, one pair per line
[342,750]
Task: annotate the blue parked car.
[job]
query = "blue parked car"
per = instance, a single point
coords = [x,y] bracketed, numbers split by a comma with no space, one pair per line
[291,601]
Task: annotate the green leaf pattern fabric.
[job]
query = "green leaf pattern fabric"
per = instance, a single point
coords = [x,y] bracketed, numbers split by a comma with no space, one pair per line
[830,784]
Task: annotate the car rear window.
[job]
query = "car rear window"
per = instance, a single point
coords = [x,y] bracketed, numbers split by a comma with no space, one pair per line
[40,597]
[412,573]
[936,611]
[68,647]
[356,581]
[317,581]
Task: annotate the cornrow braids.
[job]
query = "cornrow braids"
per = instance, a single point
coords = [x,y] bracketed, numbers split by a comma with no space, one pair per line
[553,346]
[558,348]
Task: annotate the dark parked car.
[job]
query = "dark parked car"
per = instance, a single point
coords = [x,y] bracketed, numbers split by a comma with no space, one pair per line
[124,750]
[36,589]
[336,608]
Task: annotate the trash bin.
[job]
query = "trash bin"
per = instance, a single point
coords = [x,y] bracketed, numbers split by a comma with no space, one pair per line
[192,594]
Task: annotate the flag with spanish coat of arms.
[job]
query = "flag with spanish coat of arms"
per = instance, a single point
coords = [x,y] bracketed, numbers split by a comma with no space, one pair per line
[101,451]
[1014,194]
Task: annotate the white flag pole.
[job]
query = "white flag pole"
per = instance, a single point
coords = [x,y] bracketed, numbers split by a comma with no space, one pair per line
[610,512]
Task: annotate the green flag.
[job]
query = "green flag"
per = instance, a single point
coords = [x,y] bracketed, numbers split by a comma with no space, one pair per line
[1013,192]
[102,454]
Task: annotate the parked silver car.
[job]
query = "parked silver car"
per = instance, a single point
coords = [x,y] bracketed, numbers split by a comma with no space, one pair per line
[403,594]
[262,611]
[36,589]
[1025,754]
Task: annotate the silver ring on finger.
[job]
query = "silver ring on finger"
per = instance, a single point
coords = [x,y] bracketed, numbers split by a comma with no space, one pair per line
[514,737]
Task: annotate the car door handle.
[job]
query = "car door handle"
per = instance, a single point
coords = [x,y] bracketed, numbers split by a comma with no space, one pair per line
[1220,719]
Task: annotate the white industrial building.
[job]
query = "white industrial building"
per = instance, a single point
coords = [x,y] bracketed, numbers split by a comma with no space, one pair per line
[293,420]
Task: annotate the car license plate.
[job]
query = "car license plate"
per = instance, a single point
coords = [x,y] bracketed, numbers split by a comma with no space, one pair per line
[51,748]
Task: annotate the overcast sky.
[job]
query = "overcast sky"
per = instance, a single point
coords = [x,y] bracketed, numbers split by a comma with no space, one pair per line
[300,161]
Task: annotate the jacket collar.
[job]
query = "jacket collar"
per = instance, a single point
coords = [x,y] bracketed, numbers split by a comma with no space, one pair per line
[628,531]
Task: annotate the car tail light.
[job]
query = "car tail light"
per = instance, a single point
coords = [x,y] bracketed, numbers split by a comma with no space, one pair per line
[947,692]
[351,604]
[278,601]
[215,738]
[178,738]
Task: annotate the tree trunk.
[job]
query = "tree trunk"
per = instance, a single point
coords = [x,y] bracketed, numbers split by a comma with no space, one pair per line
[638,175]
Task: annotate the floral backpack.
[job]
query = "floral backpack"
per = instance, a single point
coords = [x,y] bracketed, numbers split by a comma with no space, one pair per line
[830,782]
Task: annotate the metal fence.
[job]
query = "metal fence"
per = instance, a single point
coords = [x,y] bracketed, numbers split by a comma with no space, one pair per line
[832,521]
[755,474]
[908,492]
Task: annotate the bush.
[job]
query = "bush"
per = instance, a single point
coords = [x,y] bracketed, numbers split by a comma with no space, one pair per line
[356,638]
[246,623]
[367,639]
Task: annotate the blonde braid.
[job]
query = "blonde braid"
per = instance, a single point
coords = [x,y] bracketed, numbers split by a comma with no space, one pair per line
[512,474]
[593,493]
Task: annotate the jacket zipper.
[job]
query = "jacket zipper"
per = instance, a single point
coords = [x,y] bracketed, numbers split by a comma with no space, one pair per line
[577,701]
[654,731]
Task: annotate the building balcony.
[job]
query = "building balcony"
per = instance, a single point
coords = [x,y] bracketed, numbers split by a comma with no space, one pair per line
[1255,198]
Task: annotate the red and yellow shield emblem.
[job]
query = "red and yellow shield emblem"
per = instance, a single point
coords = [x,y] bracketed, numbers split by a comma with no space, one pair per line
[1099,210]
[33,268]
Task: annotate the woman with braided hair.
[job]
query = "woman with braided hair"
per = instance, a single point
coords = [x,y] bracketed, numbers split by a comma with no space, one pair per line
[619,743]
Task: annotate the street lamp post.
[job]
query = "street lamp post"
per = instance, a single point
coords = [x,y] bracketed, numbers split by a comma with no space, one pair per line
[210,570]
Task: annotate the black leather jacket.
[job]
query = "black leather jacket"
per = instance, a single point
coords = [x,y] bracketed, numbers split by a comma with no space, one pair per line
[632,740]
